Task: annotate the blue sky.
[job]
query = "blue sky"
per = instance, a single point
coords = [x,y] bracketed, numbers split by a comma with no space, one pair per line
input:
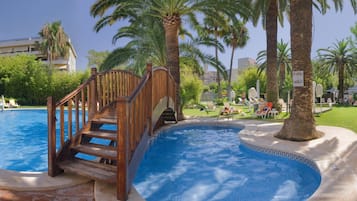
[24,18]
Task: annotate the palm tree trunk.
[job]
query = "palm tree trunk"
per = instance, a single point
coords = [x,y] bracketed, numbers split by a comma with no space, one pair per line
[218,78]
[171,25]
[341,87]
[230,75]
[272,32]
[282,78]
[300,125]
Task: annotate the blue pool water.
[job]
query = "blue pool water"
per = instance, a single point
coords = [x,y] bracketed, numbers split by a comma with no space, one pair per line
[206,163]
[23,140]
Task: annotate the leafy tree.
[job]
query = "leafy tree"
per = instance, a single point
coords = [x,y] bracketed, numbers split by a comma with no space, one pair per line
[27,80]
[248,79]
[237,36]
[191,86]
[55,42]
[340,59]
[24,78]
[63,83]
[96,58]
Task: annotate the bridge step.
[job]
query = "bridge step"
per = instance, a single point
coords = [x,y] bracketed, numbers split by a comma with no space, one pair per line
[98,150]
[105,120]
[90,169]
[104,134]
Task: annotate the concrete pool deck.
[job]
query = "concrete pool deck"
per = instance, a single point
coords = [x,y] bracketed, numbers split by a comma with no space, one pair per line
[335,155]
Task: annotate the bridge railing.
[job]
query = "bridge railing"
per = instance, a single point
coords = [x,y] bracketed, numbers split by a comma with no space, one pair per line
[135,123]
[136,100]
[100,90]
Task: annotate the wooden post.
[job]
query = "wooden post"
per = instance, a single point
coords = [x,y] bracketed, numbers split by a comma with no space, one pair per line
[168,87]
[122,149]
[150,96]
[53,169]
[92,109]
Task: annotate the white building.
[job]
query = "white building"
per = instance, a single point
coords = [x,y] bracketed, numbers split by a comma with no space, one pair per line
[29,46]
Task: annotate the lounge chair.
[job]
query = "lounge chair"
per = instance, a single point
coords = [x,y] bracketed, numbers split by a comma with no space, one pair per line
[264,111]
[228,111]
[13,104]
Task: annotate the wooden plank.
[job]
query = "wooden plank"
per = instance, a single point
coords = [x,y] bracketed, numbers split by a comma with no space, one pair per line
[105,120]
[104,134]
[97,150]
[90,169]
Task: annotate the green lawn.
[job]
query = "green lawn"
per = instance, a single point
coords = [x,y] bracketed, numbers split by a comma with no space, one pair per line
[345,117]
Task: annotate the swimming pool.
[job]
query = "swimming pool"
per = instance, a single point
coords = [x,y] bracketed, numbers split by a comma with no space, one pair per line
[203,162]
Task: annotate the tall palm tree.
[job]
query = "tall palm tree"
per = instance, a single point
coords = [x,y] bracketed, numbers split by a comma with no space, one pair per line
[237,36]
[217,25]
[55,42]
[339,59]
[169,12]
[270,11]
[301,123]
[283,62]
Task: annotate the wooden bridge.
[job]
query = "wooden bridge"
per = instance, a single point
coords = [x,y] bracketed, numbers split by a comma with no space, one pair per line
[118,107]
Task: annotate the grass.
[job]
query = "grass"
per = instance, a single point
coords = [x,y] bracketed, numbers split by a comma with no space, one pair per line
[339,116]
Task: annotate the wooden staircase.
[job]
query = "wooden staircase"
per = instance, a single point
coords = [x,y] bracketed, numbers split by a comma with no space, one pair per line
[98,144]
[101,130]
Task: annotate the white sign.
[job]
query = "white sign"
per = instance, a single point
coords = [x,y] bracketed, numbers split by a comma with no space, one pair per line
[319,90]
[298,78]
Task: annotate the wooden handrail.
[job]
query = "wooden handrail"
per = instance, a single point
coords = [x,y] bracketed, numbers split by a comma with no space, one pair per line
[135,123]
[136,100]
[89,98]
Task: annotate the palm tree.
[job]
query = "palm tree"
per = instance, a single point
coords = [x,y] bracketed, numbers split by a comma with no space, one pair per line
[237,36]
[301,123]
[55,42]
[270,11]
[170,13]
[146,43]
[217,25]
[283,62]
[339,59]
[191,52]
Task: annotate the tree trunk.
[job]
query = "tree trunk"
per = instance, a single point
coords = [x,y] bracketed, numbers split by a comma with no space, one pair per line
[282,78]
[300,126]
[272,34]
[341,87]
[171,25]
[229,90]
[218,78]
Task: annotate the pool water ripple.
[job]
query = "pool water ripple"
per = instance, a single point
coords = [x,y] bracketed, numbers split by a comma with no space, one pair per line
[208,163]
